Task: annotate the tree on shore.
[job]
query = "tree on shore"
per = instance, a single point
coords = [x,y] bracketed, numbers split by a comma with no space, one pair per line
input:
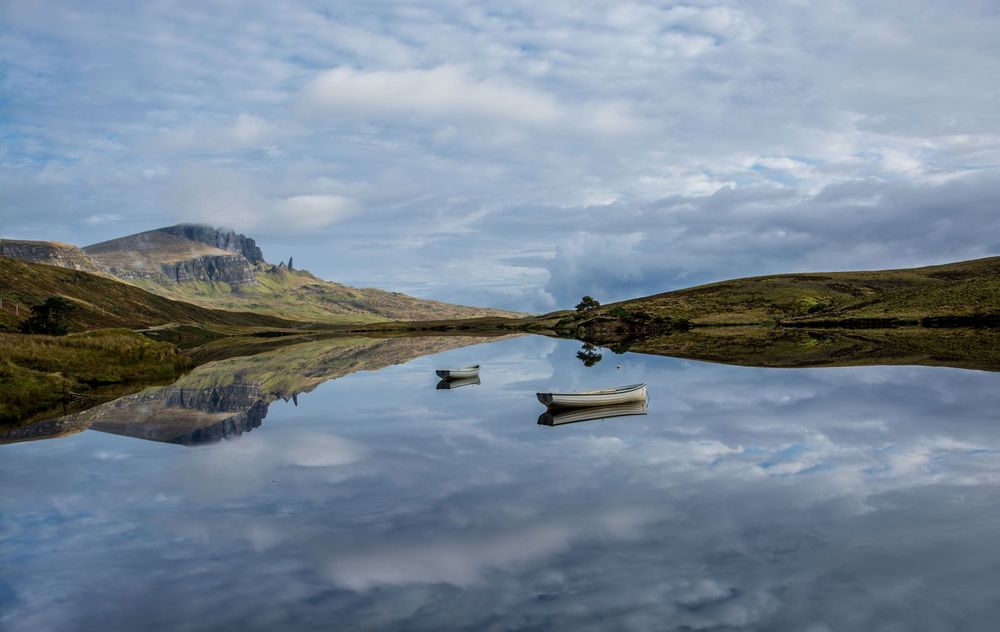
[587,303]
[49,317]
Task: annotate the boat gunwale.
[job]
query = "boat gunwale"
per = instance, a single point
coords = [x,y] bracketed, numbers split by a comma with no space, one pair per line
[606,391]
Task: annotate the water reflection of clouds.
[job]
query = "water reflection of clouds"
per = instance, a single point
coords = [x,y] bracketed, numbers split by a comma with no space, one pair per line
[753,499]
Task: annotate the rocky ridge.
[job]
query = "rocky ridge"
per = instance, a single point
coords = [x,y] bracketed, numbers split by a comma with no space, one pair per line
[49,253]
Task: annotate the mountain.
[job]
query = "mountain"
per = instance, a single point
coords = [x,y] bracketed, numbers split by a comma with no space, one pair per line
[218,268]
[179,254]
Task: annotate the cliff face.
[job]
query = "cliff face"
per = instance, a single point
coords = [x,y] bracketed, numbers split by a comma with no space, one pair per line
[232,269]
[223,239]
[49,253]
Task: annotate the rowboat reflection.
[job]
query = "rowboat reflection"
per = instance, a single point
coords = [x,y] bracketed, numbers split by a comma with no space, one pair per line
[449,384]
[558,417]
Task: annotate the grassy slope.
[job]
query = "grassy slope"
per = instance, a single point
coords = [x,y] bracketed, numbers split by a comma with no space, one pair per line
[299,295]
[40,372]
[958,289]
[102,302]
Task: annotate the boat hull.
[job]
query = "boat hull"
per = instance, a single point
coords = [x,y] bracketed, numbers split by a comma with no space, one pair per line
[586,399]
[458,374]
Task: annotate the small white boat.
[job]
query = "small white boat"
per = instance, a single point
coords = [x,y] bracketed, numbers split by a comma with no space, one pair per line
[606,397]
[459,383]
[557,417]
[457,374]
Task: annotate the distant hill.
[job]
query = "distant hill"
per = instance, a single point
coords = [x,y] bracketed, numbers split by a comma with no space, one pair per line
[50,253]
[965,292]
[222,269]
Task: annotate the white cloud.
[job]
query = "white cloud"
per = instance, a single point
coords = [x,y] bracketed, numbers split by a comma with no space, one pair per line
[234,200]
[314,211]
[448,92]
[103,218]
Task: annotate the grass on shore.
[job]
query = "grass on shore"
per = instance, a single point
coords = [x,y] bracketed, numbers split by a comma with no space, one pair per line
[38,373]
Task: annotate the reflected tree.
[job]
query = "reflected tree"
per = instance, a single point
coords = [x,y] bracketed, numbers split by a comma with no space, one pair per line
[588,355]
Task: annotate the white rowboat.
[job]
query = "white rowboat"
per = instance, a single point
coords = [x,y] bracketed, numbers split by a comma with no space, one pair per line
[556,417]
[606,397]
[457,374]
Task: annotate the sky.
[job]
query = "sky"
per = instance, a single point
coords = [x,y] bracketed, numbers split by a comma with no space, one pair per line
[516,154]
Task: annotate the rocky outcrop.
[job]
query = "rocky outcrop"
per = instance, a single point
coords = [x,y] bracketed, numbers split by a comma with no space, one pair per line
[224,239]
[231,269]
[49,253]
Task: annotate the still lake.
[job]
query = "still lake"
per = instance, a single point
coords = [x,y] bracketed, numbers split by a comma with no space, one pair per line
[861,498]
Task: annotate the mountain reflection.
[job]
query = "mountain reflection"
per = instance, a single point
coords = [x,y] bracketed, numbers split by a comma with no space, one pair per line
[230,397]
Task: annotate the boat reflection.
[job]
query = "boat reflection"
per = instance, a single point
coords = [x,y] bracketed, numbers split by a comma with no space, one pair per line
[574,415]
[450,384]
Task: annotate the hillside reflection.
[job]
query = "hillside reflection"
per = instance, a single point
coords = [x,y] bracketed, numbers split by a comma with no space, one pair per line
[230,397]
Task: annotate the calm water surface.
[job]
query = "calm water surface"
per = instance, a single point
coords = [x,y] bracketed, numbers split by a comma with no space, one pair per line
[820,499]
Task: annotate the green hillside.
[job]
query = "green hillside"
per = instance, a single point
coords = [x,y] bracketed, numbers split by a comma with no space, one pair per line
[969,289]
[102,302]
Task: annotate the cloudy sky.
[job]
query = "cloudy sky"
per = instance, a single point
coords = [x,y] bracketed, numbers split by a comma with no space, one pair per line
[517,154]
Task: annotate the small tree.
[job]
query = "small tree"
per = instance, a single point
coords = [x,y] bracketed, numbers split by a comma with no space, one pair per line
[587,303]
[49,317]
